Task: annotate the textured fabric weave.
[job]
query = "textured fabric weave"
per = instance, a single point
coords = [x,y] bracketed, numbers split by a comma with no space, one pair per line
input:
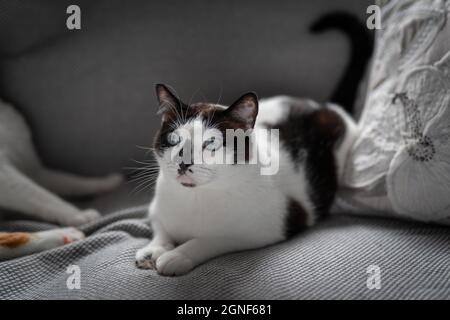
[329,261]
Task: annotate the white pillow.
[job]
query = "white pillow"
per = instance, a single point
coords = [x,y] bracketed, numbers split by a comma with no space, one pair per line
[400,163]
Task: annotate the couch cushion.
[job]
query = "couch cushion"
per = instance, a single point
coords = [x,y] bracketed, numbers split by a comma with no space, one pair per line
[89,94]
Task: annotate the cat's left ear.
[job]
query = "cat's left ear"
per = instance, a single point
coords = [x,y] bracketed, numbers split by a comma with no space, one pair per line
[245,110]
[168,101]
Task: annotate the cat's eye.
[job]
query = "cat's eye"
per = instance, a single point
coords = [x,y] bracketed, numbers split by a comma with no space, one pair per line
[212,144]
[173,138]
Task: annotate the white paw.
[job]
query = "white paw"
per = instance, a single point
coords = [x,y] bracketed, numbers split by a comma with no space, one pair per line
[70,235]
[173,263]
[61,236]
[147,256]
[84,217]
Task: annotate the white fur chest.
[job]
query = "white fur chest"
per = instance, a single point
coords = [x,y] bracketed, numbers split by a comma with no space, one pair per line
[249,211]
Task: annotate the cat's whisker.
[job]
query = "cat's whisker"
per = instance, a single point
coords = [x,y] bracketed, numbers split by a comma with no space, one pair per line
[143,162]
[144,175]
[145,171]
[177,113]
[139,185]
[220,94]
[190,100]
[143,179]
[143,185]
[147,149]
[136,170]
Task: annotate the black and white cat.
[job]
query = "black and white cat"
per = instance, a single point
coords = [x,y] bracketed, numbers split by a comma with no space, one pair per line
[201,210]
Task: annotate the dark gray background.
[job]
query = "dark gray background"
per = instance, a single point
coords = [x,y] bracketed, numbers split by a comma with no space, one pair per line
[88,95]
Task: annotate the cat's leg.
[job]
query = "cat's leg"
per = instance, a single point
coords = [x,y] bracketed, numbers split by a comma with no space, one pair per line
[71,185]
[18,244]
[20,193]
[185,257]
[160,243]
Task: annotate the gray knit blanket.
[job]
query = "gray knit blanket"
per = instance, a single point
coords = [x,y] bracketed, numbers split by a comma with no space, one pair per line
[330,261]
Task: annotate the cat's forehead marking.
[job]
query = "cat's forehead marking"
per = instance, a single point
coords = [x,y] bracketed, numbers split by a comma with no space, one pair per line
[190,124]
[195,110]
[210,116]
[205,110]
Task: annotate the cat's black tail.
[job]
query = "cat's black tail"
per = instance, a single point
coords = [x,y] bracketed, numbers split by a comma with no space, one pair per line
[361,40]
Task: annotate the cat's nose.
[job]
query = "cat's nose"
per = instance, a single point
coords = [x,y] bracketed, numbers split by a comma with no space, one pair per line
[183,167]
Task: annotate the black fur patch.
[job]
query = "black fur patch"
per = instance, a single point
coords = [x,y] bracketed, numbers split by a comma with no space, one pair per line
[310,135]
[216,115]
[296,218]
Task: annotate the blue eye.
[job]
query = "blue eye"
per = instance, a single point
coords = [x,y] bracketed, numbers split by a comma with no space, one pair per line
[212,144]
[173,138]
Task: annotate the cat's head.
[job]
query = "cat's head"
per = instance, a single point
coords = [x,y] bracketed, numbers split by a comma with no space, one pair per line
[192,146]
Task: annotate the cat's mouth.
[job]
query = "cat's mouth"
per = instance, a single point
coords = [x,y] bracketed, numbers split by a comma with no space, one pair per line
[186,181]
[189,185]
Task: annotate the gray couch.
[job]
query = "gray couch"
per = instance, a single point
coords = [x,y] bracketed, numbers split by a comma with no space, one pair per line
[88,96]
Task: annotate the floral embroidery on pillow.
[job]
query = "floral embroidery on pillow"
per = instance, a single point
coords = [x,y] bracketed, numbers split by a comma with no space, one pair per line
[418,180]
[419,146]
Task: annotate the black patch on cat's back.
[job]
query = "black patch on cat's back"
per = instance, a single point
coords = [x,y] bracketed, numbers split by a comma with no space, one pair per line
[296,218]
[292,129]
[310,134]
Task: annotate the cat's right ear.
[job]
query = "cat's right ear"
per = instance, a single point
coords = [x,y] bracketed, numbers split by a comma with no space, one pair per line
[168,101]
[244,110]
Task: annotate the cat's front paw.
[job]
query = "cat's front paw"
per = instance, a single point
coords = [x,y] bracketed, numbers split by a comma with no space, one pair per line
[173,263]
[147,256]
[78,219]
